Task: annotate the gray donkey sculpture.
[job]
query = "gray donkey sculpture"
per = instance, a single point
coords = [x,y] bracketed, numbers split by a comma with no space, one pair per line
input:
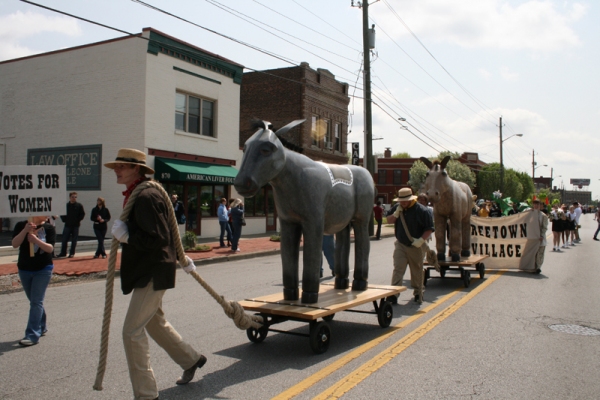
[312,198]
[452,201]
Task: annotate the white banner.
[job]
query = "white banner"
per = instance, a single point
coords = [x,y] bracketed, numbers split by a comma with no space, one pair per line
[30,190]
[511,241]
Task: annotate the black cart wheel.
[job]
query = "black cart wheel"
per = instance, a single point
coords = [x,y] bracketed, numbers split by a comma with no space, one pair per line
[466,278]
[320,337]
[481,269]
[443,272]
[258,335]
[385,314]
[328,318]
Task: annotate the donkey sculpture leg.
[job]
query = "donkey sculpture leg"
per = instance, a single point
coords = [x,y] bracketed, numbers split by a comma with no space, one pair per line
[455,237]
[440,237]
[342,255]
[466,236]
[290,253]
[362,245]
[312,257]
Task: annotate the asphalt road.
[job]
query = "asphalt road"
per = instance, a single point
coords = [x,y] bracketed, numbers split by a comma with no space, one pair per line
[489,341]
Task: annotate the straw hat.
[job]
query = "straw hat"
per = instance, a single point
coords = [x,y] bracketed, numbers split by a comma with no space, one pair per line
[133,157]
[405,194]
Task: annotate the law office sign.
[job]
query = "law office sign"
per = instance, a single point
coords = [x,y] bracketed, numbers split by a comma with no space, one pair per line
[83,164]
[27,191]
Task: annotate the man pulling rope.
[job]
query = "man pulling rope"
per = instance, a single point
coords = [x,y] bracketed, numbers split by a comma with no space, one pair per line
[148,233]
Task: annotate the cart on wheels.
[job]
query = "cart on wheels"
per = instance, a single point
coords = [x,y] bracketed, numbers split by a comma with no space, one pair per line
[465,262]
[274,310]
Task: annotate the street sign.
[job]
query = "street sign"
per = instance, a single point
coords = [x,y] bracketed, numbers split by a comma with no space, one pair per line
[355,155]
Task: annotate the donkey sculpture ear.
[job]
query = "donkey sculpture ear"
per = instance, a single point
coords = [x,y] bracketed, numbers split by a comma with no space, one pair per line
[426,162]
[283,130]
[445,161]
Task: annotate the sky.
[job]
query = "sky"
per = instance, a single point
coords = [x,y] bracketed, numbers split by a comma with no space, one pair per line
[451,69]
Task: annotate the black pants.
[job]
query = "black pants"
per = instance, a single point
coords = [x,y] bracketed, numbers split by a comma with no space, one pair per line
[100,235]
[73,232]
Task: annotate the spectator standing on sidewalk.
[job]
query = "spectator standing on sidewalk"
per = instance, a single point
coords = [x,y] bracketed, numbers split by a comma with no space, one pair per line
[100,217]
[179,213]
[148,262]
[597,218]
[223,215]
[237,221]
[378,211]
[72,220]
[35,272]
[577,225]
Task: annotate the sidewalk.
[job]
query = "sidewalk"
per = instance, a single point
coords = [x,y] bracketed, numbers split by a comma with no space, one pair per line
[84,263]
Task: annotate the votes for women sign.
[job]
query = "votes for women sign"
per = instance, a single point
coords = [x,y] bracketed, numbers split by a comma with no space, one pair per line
[27,191]
[511,241]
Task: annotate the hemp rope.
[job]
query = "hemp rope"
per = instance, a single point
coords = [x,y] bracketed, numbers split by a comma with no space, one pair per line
[231,308]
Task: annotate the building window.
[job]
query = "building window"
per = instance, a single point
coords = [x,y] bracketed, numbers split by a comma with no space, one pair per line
[327,141]
[397,177]
[194,115]
[381,176]
[337,133]
[314,130]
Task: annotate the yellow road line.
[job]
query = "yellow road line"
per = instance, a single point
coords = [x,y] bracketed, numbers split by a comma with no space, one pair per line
[313,379]
[360,374]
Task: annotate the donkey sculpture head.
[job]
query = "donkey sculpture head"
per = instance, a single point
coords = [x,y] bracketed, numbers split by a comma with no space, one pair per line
[436,180]
[264,158]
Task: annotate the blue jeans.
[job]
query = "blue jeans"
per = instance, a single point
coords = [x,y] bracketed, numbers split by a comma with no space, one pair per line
[378,234]
[224,227]
[237,233]
[35,284]
[67,232]
[100,235]
[328,250]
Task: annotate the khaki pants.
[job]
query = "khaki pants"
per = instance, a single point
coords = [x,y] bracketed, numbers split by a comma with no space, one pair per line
[413,256]
[145,315]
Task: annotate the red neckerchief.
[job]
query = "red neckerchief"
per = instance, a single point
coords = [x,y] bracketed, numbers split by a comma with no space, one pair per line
[131,188]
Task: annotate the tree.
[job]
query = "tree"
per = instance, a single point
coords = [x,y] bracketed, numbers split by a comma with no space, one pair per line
[456,170]
[401,155]
[488,181]
[528,186]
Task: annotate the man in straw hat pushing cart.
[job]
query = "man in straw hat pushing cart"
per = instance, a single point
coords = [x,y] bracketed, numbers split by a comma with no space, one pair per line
[148,263]
[413,224]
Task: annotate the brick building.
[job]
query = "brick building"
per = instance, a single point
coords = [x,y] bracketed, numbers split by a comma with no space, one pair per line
[283,95]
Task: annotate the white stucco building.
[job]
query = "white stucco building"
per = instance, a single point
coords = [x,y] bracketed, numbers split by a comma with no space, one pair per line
[177,102]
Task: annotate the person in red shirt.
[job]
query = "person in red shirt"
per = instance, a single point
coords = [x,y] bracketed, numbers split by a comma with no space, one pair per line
[378,211]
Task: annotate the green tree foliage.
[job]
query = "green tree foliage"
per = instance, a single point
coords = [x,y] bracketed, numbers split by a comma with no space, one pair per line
[488,181]
[401,155]
[456,170]
[527,184]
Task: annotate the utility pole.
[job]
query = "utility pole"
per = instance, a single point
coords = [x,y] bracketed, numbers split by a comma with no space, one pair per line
[501,160]
[369,162]
[533,165]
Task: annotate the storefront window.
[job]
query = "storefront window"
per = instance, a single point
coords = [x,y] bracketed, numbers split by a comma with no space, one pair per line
[192,208]
[249,206]
[206,196]
[259,204]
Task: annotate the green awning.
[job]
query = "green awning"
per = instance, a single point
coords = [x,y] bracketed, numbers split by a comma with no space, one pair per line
[169,170]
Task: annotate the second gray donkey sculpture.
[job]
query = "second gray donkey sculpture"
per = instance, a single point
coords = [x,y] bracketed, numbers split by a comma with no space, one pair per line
[451,201]
[312,198]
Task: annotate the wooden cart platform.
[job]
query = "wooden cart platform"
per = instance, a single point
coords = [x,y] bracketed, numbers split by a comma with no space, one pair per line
[274,309]
[474,262]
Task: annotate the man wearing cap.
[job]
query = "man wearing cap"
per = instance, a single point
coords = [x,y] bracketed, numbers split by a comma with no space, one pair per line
[407,247]
[148,262]
[543,222]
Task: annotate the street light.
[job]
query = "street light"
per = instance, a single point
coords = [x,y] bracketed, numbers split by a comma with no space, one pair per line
[501,159]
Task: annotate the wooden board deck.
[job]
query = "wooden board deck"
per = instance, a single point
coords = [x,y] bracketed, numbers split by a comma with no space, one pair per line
[464,261]
[331,301]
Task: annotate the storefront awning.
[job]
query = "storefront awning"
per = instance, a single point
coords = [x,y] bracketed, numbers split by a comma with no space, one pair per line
[169,170]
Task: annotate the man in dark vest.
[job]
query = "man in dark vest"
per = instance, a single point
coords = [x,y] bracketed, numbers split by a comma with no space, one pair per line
[72,220]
